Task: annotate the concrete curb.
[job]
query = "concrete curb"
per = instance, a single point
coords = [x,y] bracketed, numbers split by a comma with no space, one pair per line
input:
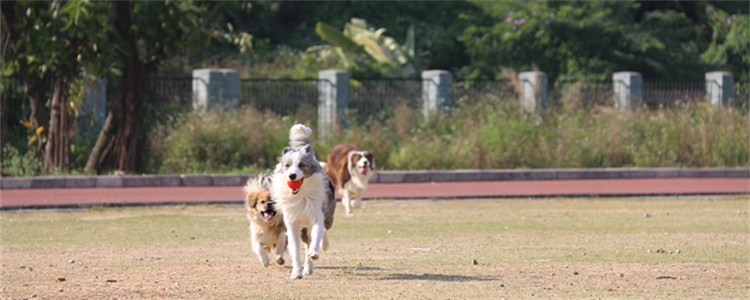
[378,177]
[556,174]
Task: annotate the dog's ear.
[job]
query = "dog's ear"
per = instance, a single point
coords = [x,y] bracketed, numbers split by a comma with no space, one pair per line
[286,150]
[371,158]
[251,199]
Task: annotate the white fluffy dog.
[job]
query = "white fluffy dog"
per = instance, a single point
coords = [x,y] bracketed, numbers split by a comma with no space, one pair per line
[305,196]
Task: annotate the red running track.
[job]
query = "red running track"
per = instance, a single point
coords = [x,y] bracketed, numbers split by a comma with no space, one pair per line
[74,197]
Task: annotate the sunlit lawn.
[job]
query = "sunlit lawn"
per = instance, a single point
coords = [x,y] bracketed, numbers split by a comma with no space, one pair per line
[517,248]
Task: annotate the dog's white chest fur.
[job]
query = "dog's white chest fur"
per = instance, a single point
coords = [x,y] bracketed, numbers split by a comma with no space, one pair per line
[357,183]
[306,204]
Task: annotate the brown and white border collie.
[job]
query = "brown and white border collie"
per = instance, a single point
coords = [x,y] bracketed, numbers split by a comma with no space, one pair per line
[349,170]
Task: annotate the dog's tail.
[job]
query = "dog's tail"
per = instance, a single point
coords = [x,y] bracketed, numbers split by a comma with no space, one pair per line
[299,136]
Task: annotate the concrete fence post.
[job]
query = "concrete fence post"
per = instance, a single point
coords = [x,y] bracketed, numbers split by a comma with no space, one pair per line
[628,90]
[719,88]
[437,91]
[333,100]
[215,88]
[533,95]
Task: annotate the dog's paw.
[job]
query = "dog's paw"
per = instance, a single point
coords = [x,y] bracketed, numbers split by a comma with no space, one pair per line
[280,261]
[313,255]
[264,262]
[296,274]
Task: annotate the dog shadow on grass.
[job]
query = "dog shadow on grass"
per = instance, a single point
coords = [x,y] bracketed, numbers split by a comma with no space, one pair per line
[436,277]
[406,276]
[351,268]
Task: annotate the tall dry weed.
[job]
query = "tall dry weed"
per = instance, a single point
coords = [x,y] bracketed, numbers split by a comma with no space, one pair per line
[221,141]
[490,133]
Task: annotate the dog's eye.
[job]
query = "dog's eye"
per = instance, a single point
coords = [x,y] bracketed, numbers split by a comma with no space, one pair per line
[301,165]
[288,165]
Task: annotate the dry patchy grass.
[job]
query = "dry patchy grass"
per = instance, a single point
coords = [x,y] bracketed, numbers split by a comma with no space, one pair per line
[517,248]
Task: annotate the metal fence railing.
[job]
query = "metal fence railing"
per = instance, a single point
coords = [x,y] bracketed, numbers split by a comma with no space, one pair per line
[467,92]
[281,96]
[742,94]
[581,92]
[168,90]
[658,93]
[376,97]
[379,97]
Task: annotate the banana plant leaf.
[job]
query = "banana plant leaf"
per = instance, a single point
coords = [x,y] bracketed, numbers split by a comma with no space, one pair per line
[336,38]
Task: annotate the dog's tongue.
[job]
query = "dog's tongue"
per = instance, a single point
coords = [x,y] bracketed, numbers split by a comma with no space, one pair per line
[268,216]
[363,171]
[295,185]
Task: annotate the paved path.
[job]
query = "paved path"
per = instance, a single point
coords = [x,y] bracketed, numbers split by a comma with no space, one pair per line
[82,197]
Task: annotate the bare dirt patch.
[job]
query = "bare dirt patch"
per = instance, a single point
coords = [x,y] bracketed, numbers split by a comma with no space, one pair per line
[517,248]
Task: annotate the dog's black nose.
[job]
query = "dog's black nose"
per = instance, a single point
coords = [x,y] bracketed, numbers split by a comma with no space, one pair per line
[292,176]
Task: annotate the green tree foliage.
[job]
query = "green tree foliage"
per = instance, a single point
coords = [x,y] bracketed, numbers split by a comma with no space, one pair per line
[287,28]
[730,42]
[52,39]
[576,38]
[123,41]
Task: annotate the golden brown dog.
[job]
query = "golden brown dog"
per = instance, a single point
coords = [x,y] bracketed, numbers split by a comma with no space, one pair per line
[267,230]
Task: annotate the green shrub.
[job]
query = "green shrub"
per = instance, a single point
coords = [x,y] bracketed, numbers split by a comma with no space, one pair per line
[17,164]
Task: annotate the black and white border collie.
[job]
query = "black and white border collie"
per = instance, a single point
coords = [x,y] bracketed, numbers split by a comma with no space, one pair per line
[305,196]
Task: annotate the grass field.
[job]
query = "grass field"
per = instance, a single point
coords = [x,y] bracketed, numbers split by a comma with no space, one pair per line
[510,248]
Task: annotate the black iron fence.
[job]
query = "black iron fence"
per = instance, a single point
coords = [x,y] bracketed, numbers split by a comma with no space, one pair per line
[658,93]
[281,96]
[465,92]
[168,90]
[370,97]
[742,94]
[571,92]
[378,98]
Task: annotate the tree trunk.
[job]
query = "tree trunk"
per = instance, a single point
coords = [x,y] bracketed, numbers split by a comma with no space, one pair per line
[57,148]
[128,115]
[94,162]
[35,89]
[123,139]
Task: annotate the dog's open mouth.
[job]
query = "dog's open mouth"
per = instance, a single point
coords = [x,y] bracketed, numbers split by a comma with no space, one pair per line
[268,215]
[363,170]
[295,185]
